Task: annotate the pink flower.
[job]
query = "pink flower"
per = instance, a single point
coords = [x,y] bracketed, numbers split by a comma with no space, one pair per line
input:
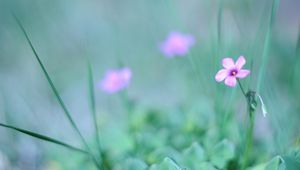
[177,44]
[232,71]
[115,80]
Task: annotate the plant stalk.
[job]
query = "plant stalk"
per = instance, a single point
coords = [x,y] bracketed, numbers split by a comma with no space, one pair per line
[105,163]
[93,106]
[242,89]
[249,140]
[251,104]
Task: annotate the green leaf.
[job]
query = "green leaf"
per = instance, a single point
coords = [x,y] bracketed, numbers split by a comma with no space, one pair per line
[193,155]
[44,138]
[134,164]
[60,101]
[62,104]
[93,105]
[167,164]
[292,161]
[267,42]
[162,153]
[277,163]
[222,153]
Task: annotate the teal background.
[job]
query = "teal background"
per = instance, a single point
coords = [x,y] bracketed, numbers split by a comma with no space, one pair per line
[178,104]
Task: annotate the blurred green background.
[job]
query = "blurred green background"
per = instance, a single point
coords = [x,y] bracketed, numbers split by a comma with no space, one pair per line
[178,104]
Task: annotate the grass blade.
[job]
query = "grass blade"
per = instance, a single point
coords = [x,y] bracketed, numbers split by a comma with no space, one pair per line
[44,138]
[265,55]
[105,164]
[66,111]
[93,105]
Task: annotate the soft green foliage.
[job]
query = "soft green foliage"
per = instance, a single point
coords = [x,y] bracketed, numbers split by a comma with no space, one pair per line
[193,156]
[276,163]
[173,115]
[166,164]
[222,153]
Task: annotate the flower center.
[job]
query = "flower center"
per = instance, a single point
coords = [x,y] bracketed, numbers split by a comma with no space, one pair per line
[233,72]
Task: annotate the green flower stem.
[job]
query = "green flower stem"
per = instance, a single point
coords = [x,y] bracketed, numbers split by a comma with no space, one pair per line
[129,106]
[249,141]
[242,89]
[251,104]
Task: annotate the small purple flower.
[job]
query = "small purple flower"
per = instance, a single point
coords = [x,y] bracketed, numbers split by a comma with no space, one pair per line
[116,80]
[232,71]
[177,44]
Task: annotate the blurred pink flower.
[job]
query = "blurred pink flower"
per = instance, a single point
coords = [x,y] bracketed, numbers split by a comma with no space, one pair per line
[116,80]
[177,44]
[232,71]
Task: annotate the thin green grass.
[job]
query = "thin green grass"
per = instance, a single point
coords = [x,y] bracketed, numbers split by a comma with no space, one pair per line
[219,109]
[45,138]
[266,49]
[93,106]
[66,111]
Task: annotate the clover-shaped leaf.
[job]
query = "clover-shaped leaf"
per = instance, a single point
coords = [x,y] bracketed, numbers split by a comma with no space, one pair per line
[167,164]
[277,163]
[222,153]
[193,155]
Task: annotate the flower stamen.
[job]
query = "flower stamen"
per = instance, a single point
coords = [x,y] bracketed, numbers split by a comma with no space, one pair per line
[233,72]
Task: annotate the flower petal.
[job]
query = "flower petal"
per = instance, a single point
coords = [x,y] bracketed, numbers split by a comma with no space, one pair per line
[116,80]
[177,44]
[228,63]
[221,75]
[126,74]
[241,61]
[230,81]
[242,73]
